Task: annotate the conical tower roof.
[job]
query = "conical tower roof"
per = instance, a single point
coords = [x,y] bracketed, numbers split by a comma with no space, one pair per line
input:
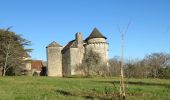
[96,34]
[54,44]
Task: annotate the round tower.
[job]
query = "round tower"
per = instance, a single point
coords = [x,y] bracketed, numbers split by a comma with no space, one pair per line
[97,43]
[54,59]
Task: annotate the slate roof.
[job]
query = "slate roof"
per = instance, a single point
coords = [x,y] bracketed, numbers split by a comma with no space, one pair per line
[95,34]
[71,44]
[54,44]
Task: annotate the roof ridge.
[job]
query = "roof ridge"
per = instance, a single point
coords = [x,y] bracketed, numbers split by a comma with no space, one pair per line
[69,45]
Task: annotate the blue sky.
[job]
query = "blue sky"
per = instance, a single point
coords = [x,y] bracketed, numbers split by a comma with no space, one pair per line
[44,21]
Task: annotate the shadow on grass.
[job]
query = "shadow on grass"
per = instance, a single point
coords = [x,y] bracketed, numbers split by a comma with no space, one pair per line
[67,93]
[89,95]
[62,92]
[137,83]
[98,96]
[79,76]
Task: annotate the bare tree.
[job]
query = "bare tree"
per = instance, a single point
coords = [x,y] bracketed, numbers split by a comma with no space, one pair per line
[155,61]
[114,66]
[122,85]
[92,64]
[155,65]
[136,68]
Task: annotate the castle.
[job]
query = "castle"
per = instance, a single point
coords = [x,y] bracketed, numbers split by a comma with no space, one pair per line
[62,61]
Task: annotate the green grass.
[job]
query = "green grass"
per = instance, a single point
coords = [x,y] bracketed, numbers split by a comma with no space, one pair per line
[52,88]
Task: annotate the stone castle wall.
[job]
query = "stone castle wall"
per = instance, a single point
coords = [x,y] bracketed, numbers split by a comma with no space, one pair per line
[100,46]
[67,61]
[76,60]
[71,61]
[54,61]
[72,58]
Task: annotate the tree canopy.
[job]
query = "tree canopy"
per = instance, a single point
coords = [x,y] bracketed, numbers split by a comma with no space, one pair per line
[12,50]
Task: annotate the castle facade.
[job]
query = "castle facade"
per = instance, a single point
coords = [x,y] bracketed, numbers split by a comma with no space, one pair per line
[63,61]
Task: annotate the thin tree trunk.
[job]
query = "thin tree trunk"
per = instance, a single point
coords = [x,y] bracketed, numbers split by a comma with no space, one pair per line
[3,72]
[5,66]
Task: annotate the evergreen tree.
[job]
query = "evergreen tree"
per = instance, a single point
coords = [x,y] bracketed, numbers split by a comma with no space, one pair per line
[12,50]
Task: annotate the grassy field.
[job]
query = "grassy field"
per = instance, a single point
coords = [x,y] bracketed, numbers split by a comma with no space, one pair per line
[52,88]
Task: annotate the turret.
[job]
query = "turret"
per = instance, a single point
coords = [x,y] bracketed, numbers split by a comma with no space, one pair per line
[97,42]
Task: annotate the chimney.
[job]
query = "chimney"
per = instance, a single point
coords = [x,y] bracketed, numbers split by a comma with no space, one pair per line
[79,38]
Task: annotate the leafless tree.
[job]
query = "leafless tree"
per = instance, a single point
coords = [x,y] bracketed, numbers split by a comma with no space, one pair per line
[92,64]
[155,65]
[114,66]
[155,61]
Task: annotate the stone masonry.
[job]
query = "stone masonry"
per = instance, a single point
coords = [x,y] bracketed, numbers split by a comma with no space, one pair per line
[54,59]
[63,61]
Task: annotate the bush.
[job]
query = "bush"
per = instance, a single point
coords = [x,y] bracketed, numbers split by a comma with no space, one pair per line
[35,74]
[164,73]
